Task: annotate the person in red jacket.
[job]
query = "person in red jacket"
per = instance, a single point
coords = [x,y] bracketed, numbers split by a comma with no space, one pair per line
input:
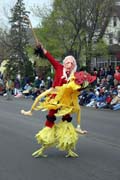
[61,76]
[63,135]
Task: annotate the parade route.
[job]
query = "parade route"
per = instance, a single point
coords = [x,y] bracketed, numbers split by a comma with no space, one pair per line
[99,150]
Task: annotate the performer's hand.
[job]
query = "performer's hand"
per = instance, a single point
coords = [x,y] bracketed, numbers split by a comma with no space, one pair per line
[80,131]
[26,113]
[40,51]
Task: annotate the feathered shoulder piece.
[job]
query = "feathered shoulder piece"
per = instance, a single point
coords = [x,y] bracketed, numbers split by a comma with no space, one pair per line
[38,51]
[82,77]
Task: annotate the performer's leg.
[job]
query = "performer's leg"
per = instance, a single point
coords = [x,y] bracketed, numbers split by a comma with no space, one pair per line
[50,118]
[67,118]
[46,137]
[67,136]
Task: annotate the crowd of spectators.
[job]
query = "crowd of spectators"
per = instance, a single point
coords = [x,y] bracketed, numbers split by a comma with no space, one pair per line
[104,93]
[23,88]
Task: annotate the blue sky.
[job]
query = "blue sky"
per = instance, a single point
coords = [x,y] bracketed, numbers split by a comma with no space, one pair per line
[6,5]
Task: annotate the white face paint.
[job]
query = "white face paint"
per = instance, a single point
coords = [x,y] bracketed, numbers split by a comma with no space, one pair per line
[69,64]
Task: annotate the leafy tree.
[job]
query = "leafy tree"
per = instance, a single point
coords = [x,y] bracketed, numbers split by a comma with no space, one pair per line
[4,48]
[76,25]
[100,49]
[18,61]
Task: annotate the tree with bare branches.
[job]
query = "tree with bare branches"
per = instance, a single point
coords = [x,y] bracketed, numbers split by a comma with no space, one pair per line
[74,26]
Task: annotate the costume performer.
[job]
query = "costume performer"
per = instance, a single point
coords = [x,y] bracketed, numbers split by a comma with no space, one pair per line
[60,100]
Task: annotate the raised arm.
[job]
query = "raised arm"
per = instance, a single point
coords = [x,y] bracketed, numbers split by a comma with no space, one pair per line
[43,53]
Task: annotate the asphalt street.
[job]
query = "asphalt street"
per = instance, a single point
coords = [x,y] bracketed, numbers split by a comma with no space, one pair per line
[99,150]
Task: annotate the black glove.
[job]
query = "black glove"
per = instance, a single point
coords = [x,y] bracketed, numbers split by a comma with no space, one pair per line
[38,51]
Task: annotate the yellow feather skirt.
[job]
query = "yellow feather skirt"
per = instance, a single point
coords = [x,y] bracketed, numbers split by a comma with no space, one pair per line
[47,136]
[62,135]
[66,136]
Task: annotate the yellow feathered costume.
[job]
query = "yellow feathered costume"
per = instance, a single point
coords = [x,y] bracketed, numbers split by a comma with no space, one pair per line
[65,100]
[63,135]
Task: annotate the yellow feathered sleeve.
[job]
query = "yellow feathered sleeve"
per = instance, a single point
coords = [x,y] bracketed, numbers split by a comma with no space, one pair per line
[37,100]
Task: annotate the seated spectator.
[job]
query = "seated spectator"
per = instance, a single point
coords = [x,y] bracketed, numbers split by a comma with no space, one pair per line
[2,86]
[101,100]
[35,92]
[37,82]
[115,103]
[42,84]
[9,87]
[82,97]
[108,100]
[27,90]
[49,82]
[91,95]
[17,86]
[92,102]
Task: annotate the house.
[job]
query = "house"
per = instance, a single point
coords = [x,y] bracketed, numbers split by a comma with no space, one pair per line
[112,39]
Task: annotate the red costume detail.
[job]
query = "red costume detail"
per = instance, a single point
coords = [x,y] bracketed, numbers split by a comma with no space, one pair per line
[49,123]
[82,76]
